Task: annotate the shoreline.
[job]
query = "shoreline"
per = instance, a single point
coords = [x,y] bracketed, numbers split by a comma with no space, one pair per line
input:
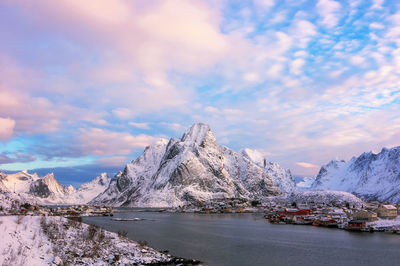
[43,240]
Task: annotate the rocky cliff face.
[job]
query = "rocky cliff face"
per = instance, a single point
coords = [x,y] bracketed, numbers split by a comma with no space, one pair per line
[370,176]
[189,169]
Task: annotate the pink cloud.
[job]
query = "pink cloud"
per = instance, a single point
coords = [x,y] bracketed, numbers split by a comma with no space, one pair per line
[136,44]
[307,165]
[19,88]
[149,35]
[6,128]
[104,142]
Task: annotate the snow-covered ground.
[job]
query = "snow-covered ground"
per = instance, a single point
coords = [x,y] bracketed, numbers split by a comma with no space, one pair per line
[326,197]
[23,242]
[34,240]
[385,222]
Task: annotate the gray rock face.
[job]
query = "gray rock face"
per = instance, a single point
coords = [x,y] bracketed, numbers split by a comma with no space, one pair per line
[369,176]
[192,168]
[40,189]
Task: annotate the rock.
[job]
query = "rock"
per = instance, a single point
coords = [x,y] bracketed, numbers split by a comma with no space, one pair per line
[57,260]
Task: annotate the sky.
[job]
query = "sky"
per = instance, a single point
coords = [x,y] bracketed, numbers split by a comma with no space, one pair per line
[89,84]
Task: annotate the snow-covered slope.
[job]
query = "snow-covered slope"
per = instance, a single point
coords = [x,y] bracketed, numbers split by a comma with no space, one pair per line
[90,190]
[370,176]
[305,183]
[192,168]
[26,187]
[281,178]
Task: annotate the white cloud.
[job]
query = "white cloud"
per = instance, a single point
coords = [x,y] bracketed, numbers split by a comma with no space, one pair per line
[279,17]
[302,31]
[122,113]
[211,109]
[251,77]
[284,42]
[174,126]
[105,142]
[329,10]
[306,28]
[264,4]
[274,71]
[375,25]
[377,4]
[140,125]
[300,53]
[296,66]
[357,60]
[336,73]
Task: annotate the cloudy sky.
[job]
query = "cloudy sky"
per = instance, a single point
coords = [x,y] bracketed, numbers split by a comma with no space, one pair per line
[91,83]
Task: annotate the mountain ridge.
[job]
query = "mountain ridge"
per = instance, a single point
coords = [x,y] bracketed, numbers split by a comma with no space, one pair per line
[47,190]
[192,168]
[370,176]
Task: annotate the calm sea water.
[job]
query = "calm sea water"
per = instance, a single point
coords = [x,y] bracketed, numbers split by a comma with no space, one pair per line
[248,239]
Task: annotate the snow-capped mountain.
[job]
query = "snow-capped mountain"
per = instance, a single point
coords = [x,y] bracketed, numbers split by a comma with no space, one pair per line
[27,187]
[193,168]
[31,187]
[370,176]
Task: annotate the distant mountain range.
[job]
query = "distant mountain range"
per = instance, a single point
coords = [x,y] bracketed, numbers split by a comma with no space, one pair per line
[191,169]
[47,190]
[195,168]
[369,176]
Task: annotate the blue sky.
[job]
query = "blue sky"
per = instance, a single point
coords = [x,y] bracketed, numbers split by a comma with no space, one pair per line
[85,85]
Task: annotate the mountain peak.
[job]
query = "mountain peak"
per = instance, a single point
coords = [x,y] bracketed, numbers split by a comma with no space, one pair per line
[103,179]
[104,175]
[197,133]
[49,177]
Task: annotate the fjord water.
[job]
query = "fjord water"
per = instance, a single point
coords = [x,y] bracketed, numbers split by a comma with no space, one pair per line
[248,239]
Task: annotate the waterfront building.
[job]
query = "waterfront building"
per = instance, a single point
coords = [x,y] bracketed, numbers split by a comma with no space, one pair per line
[365,215]
[387,211]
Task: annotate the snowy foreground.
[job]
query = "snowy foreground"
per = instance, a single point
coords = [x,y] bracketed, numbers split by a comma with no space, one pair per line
[35,240]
